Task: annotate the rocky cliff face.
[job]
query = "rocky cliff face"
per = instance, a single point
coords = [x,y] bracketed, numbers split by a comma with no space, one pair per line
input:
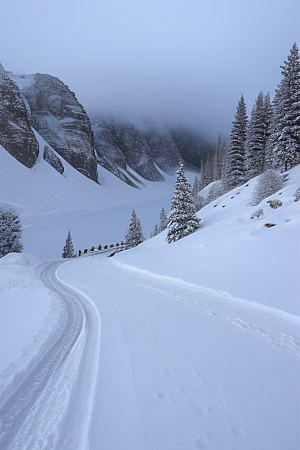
[16,136]
[48,105]
[62,121]
[119,143]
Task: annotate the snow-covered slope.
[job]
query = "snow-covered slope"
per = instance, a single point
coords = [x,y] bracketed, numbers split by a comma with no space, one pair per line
[51,204]
[232,252]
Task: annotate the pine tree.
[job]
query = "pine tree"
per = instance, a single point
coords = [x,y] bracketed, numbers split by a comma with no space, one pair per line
[134,235]
[285,127]
[182,220]
[218,158]
[235,162]
[10,232]
[68,250]
[255,142]
[163,220]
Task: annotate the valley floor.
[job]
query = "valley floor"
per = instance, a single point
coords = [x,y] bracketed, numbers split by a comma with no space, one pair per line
[179,366]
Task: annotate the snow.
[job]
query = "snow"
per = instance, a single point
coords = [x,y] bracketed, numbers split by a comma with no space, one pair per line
[196,342]
[182,367]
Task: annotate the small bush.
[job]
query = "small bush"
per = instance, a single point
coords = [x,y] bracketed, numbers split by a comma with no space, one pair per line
[111,246]
[117,244]
[92,248]
[99,247]
[105,247]
[85,250]
[267,184]
[79,252]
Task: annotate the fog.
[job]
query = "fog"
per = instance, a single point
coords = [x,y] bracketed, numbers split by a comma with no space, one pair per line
[185,61]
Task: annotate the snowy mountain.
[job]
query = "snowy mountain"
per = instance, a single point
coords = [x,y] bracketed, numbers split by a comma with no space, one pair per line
[52,109]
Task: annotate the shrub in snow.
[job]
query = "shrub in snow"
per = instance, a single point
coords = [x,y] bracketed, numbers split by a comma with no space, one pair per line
[85,250]
[258,213]
[111,246]
[267,184]
[68,251]
[182,220]
[92,248]
[134,235]
[10,232]
[79,253]
[99,247]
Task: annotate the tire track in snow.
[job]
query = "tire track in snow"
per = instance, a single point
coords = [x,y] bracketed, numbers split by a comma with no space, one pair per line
[51,407]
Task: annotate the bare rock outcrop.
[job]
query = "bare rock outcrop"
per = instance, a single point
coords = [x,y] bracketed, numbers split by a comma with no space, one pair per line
[62,121]
[16,136]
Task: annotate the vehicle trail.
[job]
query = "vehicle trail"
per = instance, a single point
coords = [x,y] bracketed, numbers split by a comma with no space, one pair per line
[51,407]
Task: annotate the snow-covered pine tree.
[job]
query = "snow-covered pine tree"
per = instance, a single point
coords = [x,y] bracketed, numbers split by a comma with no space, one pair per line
[255,142]
[267,184]
[218,158]
[68,250]
[268,112]
[235,158]
[285,126]
[182,220]
[134,234]
[163,220]
[10,232]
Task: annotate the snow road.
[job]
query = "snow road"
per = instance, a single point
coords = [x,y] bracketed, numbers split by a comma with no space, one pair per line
[179,367]
[183,367]
[50,408]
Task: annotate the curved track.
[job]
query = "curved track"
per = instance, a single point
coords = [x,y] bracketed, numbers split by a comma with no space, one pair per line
[50,409]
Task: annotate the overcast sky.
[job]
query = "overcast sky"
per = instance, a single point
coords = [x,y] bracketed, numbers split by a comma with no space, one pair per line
[188,60]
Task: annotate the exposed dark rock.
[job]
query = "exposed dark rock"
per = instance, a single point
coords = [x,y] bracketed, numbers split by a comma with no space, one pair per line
[62,121]
[270,225]
[16,136]
[275,203]
[53,160]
